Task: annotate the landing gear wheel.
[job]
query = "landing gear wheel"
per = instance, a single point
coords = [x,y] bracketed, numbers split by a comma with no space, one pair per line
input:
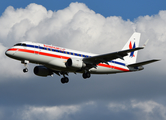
[25,70]
[64,80]
[86,75]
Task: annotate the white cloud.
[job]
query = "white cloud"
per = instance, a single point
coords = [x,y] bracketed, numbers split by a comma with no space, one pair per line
[8,67]
[80,28]
[15,22]
[147,106]
[117,107]
[44,112]
[150,109]
[128,110]
[147,110]
[51,113]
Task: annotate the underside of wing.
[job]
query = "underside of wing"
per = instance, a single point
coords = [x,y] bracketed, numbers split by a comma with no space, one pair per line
[108,57]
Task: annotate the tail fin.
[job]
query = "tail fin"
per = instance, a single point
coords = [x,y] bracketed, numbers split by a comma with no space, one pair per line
[133,42]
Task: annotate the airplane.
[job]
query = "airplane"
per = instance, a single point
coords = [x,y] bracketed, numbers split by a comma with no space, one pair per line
[61,61]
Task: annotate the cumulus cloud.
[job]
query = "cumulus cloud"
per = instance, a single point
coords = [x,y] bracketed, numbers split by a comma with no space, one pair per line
[42,113]
[28,112]
[151,109]
[128,110]
[147,110]
[51,113]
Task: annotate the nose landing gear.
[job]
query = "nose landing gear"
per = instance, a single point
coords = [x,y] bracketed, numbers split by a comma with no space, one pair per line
[25,62]
[25,70]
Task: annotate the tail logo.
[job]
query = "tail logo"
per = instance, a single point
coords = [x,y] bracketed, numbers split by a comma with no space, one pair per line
[131,47]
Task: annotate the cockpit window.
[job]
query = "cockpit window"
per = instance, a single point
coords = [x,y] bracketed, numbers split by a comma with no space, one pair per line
[20,44]
[23,44]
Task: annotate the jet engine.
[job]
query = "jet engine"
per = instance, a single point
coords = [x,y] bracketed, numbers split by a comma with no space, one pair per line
[42,71]
[75,63]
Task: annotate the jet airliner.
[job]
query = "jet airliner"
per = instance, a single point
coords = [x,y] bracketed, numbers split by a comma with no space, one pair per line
[61,61]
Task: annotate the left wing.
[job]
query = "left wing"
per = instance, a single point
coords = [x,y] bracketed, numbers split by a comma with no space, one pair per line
[94,60]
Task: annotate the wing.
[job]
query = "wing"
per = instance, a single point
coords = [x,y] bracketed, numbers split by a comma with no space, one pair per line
[108,57]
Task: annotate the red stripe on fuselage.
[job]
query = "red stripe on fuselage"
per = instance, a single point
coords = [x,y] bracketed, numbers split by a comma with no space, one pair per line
[114,67]
[62,57]
[53,55]
[12,49]
[26,50]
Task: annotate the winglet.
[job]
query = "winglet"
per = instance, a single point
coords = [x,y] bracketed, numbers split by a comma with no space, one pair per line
[145,43]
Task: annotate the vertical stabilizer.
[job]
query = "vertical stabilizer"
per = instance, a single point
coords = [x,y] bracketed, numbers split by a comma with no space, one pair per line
[133,42]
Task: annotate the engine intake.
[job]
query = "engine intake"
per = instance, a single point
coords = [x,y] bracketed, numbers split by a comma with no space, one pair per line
[42,71]
[75,63]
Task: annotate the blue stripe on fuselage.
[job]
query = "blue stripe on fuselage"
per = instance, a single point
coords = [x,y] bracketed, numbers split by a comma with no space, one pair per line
[69,53]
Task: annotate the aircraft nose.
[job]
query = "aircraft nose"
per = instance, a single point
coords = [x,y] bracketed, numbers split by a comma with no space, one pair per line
[8,53]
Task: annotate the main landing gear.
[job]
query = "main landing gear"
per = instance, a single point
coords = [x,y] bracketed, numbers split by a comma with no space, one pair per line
[86,75]
[64,80]
[25,62]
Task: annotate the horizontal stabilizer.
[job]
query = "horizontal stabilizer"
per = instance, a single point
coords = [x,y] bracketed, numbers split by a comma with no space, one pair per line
[142,63]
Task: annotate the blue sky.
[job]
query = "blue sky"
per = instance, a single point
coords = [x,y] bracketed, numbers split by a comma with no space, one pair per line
[127,9]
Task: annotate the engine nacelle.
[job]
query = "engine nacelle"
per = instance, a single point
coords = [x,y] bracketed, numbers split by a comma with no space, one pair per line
[75,63]
[140,68]
[42,71]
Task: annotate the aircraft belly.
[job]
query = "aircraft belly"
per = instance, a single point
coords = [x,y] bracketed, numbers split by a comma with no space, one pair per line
[102,70]
[105,70]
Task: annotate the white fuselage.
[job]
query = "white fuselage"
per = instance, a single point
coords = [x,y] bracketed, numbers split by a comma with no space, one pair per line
[55,58]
